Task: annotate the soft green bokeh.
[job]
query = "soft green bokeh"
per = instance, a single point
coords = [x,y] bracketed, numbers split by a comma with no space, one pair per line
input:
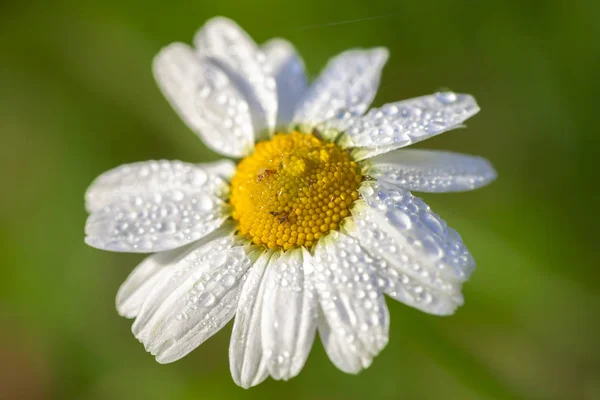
[77,98]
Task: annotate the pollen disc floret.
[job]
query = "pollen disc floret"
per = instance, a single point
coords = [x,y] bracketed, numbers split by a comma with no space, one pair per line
[293,189]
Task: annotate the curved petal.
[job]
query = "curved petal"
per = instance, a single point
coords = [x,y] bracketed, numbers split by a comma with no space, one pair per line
[345,89]
[197,300]
[248,367]
[154,206]
[288,316]
[290,77]
[422,262]
[139,283]
[431,171]
[336,347]
[205,99]
[355,322]
[400,124]
[149,177]
[225,43]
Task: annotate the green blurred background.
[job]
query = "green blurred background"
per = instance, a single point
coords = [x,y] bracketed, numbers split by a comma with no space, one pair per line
[77,98]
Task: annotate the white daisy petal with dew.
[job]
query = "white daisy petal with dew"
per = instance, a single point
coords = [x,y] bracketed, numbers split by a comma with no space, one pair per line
[308,231]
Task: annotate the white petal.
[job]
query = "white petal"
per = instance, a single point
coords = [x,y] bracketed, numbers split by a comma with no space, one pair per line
[222,168]
[224,42]
[400,124]
[248,367]
[422,262]
[355,321]
[205,99]
[431,171]
[288,317]
[154,206]
[221,241]
[197,300]
[246,361]
[336,347]
[288,70]
[149,177]
[139,283]
[345,88]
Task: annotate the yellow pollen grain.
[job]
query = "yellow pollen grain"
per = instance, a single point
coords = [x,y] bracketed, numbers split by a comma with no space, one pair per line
[292,190]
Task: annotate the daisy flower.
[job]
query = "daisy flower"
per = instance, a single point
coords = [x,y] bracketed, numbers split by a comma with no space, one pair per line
[308,230]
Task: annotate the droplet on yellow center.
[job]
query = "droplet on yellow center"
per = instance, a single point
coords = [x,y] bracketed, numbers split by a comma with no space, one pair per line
[292,190]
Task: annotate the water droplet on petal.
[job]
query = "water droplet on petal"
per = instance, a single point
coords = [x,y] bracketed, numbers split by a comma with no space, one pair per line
[204,203]
[399,219]
[206,299]
[446,97]
[228,280]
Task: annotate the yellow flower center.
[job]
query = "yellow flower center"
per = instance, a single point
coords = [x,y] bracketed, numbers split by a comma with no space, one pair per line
[292,190]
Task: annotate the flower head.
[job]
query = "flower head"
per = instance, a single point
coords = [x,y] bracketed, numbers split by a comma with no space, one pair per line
[308,231]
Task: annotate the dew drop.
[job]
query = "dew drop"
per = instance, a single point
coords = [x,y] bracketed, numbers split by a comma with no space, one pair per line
[433,223]
[228,280]
[206,299]
[436,125]
[177,195]
[446,97]
[399,219]
[204,203]
[432,249]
